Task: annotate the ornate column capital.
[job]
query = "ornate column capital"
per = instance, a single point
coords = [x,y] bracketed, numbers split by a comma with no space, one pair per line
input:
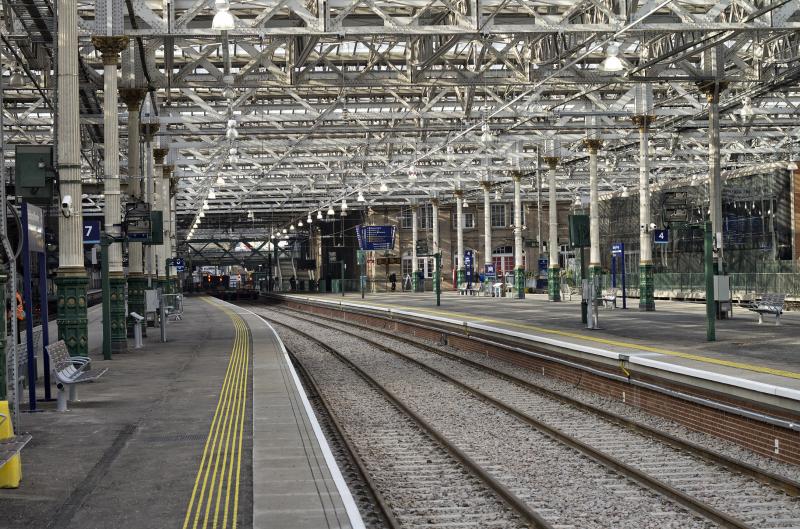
[132,97]
[458,193]
[159,154]
[592,145]
[551,161]
[516,175]
[712,89]
[643,120]
[110,47]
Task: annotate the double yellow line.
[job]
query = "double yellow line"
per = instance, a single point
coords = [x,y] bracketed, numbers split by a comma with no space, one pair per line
[215,496]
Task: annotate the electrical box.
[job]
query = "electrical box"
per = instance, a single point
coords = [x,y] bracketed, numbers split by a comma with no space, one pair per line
[722,288]
[578,231]
[150,300]
[156,227]
[34,173]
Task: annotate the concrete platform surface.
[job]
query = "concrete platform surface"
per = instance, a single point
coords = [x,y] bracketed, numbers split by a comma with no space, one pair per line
[675,334]
[132,452]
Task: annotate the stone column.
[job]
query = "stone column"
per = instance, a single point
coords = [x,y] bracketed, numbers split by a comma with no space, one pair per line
[711,90]
[519,266]
[553,271]
[71,280]
[487,227]
[595,269]
[646,288]
[414,236]
[160,198]
[111,47]
[137,283]
[461,272]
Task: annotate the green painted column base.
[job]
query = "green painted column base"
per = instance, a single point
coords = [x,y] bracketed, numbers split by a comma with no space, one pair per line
[646,288]
[119,328]
[519,283]
[73,322]
[553,284]
[136,287]
[461,276]
[414,282]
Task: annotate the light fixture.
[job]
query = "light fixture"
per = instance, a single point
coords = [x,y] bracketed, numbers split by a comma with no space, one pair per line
[450,156]
[464,202]
[284,230]
[498,194]
[16,80]
[212,194]
[486,134]
[300,223]
[308,220]
[747,108]
[229,93]
[220,181]
[412,174]
[231,134]
[223,19]
[344,204]
[612,62]
[331,213]
[624,193]
[791,166]
[201,214]
[319,214]
[205,204]
[291,227]
[758,50]
[384,188]
[360,197]
[577,200]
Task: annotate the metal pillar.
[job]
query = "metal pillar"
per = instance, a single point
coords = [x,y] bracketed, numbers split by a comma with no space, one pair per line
[712,90]
[519,267]
[553,270]
[595,269]
[111,47]
[149,127]
[461,273]
[711,306]
[3,393]
[646,287]
[487,229]
[166,207]
[414,236]
[71,279]
[435,214]
[137,283]
[160,198]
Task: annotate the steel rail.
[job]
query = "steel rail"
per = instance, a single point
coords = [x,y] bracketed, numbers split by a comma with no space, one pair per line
[601,457]
[777,481]
[385,510]
[530,516]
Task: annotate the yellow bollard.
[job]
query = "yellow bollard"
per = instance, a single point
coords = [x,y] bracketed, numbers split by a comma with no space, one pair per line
[11,472]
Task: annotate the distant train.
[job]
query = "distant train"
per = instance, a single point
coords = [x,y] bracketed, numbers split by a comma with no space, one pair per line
[212,282]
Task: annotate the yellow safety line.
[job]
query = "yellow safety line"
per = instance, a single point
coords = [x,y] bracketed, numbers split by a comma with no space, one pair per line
[606,341]
[223,446]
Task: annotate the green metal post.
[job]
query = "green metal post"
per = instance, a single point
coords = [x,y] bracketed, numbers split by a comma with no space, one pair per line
[341,270]
[105,242]
[437,278]
[711,312]
[553,286]
[584,303]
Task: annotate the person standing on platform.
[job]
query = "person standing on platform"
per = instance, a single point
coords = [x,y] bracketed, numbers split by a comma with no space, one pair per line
[393,281]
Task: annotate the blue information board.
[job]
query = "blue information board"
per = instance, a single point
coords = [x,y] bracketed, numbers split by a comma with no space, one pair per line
[616,248]
[468,265]
[489,271]
[375,237]
[178,263]
[91,231]
[661,236]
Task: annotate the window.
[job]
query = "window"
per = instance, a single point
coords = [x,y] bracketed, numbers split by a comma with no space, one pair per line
[469,220]
[498,215]
[424,217]
[405,218]
[503,259]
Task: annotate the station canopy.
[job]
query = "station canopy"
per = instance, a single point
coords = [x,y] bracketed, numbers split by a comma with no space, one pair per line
[277,110]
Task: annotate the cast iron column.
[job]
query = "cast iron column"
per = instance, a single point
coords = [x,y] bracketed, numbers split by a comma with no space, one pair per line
[592,145]
[711,89]
[519,267]
[149,127]
[71,280]
[137,284]
[166,187]
[487,228]
[111,47]
[160,196]
[414,236]
[435,213]
[646,287]
[553,270]
[461,273]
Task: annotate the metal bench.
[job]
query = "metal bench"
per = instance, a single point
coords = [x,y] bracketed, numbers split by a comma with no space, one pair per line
[609,299]
[567,291]
[769,304]
[69,371]
[11,446]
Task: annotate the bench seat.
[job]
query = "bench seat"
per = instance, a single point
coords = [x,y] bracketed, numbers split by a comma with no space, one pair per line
[69,371]
[769,304]
[11,446]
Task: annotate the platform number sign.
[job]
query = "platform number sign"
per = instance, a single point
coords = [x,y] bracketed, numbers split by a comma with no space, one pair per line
[661,236]
[91,231]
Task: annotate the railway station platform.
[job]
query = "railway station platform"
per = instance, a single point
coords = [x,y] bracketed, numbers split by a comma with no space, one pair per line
[760,362]
[211,428]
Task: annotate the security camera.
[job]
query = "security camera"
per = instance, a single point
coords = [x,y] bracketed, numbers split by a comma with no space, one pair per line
[66,205]
[652,226]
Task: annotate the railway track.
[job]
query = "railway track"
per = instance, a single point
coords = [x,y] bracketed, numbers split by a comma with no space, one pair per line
[728,492]
[438,485]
